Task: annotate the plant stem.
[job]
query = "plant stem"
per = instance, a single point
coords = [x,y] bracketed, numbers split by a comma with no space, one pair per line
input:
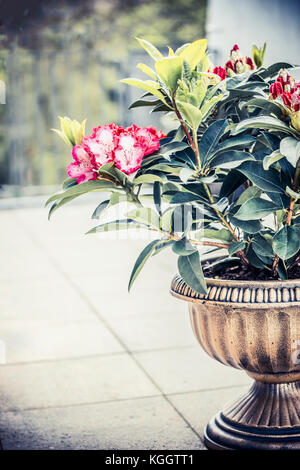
[183,125]
[196,148]
[240,253]
[198,242]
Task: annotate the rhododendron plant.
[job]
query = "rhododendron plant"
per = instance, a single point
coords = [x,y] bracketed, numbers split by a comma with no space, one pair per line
[225,179]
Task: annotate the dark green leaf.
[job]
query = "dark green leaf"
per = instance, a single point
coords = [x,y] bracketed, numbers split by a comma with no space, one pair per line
[230,159]
[190,270]
[267,180]
[234,247]
[140,262]
[157,196]
[210,139]
[256,208]
[103,205]
[183,247]
[116,225]
[286,242]
[238,142]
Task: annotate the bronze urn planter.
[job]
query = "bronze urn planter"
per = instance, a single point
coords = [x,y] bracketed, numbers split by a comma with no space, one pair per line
[254,326]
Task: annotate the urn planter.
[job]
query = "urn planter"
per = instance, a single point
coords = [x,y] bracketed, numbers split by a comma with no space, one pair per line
[254,326]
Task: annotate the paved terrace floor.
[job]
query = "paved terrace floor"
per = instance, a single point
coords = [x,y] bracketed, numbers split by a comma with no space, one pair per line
[89,366]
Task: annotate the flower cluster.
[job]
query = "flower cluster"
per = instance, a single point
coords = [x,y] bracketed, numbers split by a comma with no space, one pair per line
[288,90]
[235,65]
[112,143]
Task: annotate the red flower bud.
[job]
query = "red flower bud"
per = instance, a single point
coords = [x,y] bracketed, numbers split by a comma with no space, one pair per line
[276,90]
[286,97]
[280,80]
[249,62]
[229,65]
[220,71]
[235,48]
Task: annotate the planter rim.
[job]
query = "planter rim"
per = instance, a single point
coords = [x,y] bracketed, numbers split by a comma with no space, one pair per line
[264,294]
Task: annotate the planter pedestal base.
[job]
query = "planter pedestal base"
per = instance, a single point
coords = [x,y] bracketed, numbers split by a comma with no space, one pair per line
[265,418]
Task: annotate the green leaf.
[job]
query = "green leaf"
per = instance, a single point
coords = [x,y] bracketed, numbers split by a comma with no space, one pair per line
[192,114]
[265,122]
[62,202]
[262,248]
[145,215]
[254,260]
[232,182]
[68,183]
[230,159]
[238,142]
[157,197]
[234,247]
[290,148]
[183,247]
[190,270]
[79,189]
[147,70]
[209,106]
[249,226]
[272,158]
[270,107]
[183,197]
[210,139]
[102,206]
[286,242]
[145,85]
[194,52]
[140,262]
[266,180]
[150,49]
[172,147]
[292,193]
[249,193]
[169,70]
[166,220]
[141,103]
[116,225]
[186,173]
[222,234]
[256,208]
[147,178]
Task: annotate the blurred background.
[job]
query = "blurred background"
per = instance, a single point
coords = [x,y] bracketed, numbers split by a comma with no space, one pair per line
[66,57]
[83,364]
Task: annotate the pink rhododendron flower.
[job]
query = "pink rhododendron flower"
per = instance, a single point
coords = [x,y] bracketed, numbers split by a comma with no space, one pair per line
[83,166]
[129,153]
[147,137]
[113,143]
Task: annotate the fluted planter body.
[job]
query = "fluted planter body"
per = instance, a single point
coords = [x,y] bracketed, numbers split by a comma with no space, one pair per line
[254,326]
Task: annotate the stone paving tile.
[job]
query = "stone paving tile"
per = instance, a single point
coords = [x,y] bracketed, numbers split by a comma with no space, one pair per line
[188,369]
[145,299]
[45,298]
[69,382]
[23,263]
[142,332]
[147,423]
[198,408]
[29,341]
